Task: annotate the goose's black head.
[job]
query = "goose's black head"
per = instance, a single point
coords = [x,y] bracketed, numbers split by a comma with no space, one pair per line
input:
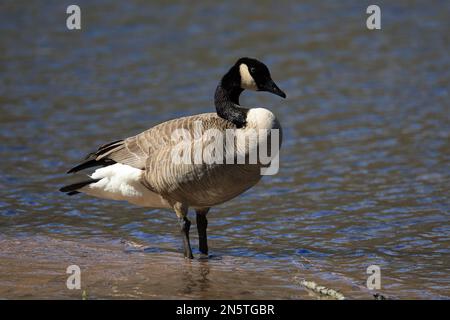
[251,74]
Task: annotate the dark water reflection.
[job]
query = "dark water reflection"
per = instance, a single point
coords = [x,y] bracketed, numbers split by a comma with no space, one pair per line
[365,162]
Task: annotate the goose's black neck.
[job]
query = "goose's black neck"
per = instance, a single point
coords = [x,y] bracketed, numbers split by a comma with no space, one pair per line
[226,100]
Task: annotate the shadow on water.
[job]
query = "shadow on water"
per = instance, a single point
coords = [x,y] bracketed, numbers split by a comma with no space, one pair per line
[37,266]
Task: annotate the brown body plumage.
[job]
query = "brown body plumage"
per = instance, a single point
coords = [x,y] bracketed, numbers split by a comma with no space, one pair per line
[141,169]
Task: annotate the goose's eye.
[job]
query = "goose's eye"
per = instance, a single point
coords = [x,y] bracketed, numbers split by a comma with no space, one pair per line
[252,70]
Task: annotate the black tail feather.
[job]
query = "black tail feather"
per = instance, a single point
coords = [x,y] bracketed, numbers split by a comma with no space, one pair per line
[72,189]
[91,163]
[98,158]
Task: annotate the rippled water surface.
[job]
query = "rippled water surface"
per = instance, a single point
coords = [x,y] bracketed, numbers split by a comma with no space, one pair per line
[364,175]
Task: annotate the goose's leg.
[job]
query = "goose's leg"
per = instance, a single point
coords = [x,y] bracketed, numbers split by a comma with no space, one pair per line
[185,225]
[202,224]
[181,210]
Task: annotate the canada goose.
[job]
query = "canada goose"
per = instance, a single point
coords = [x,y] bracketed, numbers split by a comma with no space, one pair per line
[140,170]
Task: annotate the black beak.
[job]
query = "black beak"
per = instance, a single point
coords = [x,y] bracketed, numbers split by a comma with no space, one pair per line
[271,87]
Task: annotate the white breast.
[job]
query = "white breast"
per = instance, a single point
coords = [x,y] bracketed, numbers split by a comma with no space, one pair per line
[260,118]
[258,131]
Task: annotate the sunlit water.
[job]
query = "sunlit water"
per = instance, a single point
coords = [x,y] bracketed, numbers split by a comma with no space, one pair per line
[364,175]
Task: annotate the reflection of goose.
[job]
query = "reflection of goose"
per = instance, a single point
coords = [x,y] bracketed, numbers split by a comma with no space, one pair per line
[141,171]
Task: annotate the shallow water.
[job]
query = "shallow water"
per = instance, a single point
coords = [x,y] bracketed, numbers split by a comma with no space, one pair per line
[364,175]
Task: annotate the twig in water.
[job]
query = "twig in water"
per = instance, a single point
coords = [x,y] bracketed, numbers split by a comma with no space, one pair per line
[311,285]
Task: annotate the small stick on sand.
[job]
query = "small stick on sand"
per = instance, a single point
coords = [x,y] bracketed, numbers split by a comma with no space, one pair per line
[311,285]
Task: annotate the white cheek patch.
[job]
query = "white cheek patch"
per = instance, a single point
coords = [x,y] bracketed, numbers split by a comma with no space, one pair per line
[247,81]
